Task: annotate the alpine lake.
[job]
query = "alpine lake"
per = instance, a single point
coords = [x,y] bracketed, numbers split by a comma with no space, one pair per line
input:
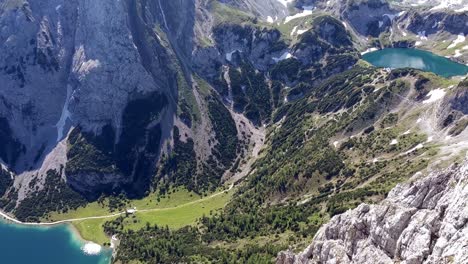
[60,244]
[395,58]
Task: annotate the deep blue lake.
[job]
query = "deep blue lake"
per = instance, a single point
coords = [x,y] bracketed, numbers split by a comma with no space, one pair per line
[414,58]
[44,245]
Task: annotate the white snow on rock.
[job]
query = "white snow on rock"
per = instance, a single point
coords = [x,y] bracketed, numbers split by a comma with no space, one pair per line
[91,248]
[394,142]
[301,31]
[419,146]
[285,2]
[229,54]
[307,11]
[294,31]
[418,43]
[434,96]
[335,144]
[270,20]
[460,39]
[369,50]
[449,4]
[422,35]
[66,114]
[285,55]
[392,16]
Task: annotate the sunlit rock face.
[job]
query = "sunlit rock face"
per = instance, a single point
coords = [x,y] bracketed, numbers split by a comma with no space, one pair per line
[424,221]
[66,64]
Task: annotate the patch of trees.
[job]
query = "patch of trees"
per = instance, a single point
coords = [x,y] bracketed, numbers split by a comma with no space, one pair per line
[251,93]
[226,132]
[55,196]
[5,181]
[10,148]
[155,244]
[181,165]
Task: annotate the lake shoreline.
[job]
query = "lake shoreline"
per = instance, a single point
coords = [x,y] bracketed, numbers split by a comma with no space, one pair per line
[395,58]
[451,58]
[75,233]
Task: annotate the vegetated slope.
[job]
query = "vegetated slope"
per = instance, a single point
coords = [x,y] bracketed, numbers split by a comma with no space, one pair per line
[334,154]
[161,98]
[163,117]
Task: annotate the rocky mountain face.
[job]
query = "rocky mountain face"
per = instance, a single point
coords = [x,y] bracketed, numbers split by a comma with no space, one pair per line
[132,96]
[97,90]
[422,221]
[65,68]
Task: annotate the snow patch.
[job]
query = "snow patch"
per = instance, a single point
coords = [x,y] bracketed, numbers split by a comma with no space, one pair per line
[391,16]
[301,31]
[229,54]
[394,142]
[407,132]
[460,39]
[307,11]
[285,2]
[285,55]
[418,43]
[434,96]
[65,115]
[369,50]
[419,146]
[457,53]
[335,144]
[270,20]
[422,35]
[293,31]
[91,248]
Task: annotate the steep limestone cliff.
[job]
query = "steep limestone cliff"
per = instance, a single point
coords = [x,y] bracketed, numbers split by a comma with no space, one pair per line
[423,221]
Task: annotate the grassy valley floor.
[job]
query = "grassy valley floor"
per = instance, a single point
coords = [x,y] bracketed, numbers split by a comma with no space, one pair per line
[175,210]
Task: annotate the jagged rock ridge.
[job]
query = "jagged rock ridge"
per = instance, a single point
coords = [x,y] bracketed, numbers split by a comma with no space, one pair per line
[423,221]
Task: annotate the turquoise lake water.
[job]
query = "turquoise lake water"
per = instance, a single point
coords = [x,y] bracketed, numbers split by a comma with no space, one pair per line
[414,58]
[44,245]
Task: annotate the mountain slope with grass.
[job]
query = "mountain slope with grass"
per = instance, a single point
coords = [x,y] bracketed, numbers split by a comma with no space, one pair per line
[224,131]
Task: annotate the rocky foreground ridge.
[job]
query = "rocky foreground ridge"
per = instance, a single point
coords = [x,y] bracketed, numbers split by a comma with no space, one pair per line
[423,221]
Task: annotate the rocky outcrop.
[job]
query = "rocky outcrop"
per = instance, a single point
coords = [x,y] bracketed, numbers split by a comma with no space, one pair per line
[66,64]
[261,8]
[459,101]
[434,22]
[423,221]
